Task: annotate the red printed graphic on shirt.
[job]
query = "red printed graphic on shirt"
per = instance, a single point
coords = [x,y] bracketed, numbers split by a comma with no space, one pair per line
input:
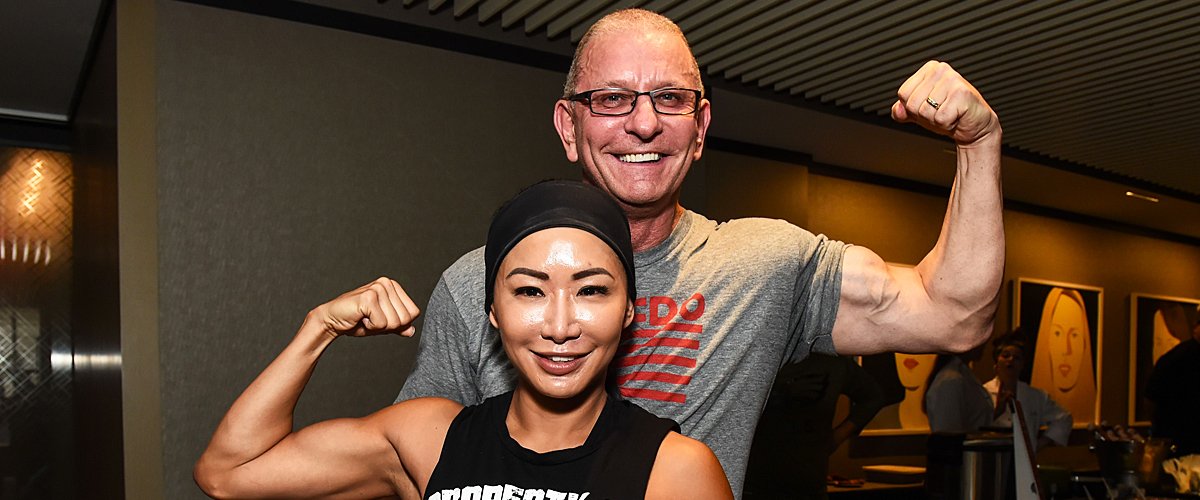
[659,350]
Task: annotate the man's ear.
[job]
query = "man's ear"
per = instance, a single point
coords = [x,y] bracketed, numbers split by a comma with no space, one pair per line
[703,115]
[564,122]
[628,313]
[492,316]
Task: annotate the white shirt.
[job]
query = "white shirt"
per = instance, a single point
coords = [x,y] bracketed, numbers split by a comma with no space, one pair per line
[1039,410]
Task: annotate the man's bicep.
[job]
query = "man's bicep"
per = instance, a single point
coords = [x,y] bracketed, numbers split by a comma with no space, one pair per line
[445,364]
[870,318]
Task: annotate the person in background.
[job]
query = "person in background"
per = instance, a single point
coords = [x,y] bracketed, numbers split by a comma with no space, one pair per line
[1172,325]
[1009,353]
[955,400]
[722,306]
[1174,391]
[789,457]
[560,291]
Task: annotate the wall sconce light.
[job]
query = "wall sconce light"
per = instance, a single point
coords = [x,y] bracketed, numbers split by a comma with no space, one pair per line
[27,251]
[32,189]
[1150,199]
[27,248]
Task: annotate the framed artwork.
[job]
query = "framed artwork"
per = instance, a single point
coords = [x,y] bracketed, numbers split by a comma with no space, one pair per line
[903,377]
[1156,324]
[1063,322]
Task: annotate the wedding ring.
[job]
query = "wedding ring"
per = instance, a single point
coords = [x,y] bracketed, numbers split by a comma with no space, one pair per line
[932,102]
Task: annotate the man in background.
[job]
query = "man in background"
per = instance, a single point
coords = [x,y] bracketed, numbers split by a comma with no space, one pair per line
[955,401]
[1174,390]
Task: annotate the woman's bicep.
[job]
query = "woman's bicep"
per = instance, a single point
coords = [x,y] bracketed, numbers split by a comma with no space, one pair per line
[342,457]
[388,453]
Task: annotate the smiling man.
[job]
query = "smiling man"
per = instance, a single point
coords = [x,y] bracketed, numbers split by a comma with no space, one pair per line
[721,306]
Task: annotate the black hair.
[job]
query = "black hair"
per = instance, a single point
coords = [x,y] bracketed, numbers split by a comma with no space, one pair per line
[557,203]
[1015,338]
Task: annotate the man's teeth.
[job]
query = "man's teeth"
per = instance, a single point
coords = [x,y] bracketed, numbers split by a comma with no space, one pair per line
[562,359]
[639,158]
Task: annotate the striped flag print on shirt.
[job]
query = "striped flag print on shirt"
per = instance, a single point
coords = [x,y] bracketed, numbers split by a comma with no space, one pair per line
[659,350]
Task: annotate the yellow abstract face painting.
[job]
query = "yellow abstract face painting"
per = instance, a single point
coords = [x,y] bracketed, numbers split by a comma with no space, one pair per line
[914,371]
[1063,355]
[1068,327]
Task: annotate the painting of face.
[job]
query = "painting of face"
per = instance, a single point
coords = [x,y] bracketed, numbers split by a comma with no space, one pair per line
[904,414]
[1068,328]
[914,370]
[1066,355]
[1163,339]
[1157,324]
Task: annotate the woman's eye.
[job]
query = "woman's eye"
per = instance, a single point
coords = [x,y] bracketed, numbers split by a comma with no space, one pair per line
[593,290]
[528,291]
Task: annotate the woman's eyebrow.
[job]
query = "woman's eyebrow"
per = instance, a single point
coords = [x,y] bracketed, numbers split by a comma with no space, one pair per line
[590,272]
[529,272]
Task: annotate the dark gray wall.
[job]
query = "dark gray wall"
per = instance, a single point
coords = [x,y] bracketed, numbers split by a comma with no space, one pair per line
[297,162]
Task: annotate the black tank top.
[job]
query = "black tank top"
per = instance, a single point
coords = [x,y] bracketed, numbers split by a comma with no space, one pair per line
[480,460]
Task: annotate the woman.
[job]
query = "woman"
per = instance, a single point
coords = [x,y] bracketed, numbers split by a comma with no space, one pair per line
[1062,356]
[560,290]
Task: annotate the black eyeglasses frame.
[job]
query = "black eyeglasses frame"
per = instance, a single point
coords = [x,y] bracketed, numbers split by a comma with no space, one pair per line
[585,97]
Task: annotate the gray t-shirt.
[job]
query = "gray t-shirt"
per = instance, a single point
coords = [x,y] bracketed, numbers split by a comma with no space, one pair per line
[720,308]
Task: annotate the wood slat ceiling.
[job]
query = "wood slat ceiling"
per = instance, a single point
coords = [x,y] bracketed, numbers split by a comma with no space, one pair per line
[1109,85]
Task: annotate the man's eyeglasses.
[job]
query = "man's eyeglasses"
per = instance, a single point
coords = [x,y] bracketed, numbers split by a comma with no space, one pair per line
[620,102]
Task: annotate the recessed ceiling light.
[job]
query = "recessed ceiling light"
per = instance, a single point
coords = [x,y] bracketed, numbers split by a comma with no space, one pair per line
[1132,194]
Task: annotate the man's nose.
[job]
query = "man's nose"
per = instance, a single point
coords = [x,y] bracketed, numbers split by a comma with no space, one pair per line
[561,324]
[643,121]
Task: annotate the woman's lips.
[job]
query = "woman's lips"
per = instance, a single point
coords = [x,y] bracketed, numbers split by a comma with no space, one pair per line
[560,365]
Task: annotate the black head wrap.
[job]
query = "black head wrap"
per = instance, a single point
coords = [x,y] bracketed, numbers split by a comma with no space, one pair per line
[557,203]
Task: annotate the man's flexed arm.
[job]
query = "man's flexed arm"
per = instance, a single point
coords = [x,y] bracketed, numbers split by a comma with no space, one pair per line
[949,300]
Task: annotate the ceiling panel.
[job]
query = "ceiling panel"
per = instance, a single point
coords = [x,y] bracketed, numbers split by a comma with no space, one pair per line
[1100,89]
[43,46]
[1107,85]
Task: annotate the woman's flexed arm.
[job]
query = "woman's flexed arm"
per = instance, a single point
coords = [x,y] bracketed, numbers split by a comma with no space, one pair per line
[254,451]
